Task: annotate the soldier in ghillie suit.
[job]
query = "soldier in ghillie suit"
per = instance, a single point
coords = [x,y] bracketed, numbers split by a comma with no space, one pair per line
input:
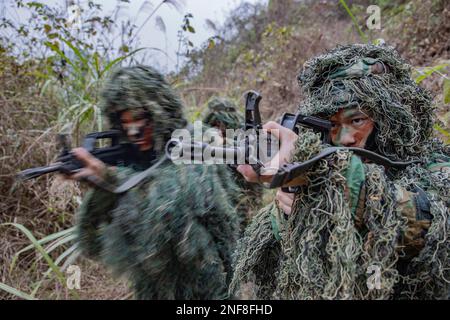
[222,114]
[173,234]
[357,230]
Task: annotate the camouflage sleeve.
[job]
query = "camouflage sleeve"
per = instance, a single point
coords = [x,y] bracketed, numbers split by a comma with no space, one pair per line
[413,205]
[94,212]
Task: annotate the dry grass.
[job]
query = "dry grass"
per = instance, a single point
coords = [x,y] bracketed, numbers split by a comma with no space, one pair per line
[44,205]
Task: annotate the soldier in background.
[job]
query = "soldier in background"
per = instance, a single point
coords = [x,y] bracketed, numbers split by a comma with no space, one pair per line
[222,114]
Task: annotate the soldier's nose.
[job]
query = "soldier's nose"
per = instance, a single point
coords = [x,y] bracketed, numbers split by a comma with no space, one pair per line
[347,139]
[133,131]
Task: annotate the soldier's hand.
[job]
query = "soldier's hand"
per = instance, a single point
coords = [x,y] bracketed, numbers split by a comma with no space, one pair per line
[287,140]
[285,201]
[93,167]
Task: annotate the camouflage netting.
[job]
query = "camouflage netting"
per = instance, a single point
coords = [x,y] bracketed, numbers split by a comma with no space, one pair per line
[172,236]
[332,243]
[223,114]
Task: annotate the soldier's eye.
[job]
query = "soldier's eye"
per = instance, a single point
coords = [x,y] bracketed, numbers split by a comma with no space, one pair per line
[358,121]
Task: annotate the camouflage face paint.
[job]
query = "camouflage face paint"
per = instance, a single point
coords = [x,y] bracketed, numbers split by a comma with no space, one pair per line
[137,128]
[351,128]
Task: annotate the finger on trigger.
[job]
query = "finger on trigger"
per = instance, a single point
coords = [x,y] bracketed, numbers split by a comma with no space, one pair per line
[285,208]
[287,198]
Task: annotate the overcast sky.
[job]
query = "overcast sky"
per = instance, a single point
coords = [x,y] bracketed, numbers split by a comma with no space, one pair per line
[151,36]
[215,10]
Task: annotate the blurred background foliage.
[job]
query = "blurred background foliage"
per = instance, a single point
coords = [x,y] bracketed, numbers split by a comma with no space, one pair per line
[51,72]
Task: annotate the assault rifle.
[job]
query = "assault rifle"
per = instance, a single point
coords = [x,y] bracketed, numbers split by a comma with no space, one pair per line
[251,155]
[114,154]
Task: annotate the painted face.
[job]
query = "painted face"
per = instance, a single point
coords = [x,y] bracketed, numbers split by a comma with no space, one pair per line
[138,128]
[351,128]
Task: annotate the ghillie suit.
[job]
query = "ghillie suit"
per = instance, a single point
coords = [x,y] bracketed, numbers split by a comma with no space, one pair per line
[358,230]
[174,234]
[222,114]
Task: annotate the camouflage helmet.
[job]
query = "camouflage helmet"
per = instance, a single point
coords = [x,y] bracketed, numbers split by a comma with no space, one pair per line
[137,87]
[223,110]
[375,79]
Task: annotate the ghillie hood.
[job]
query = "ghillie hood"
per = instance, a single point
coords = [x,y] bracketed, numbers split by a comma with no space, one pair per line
[143,87]
[222,110]
[377,80]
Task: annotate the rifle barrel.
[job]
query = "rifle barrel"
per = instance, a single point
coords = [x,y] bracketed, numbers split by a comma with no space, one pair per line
[36,172]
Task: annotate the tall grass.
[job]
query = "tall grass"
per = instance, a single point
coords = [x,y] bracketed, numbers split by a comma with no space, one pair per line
[61,238]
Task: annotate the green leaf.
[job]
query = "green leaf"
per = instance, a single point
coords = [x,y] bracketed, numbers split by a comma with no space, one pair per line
[446,91]
[125,48]
[52,35]
[47,28]
[116,61]
[428,71]
[211,44]
[72,253]
[355,22]
[444,132]
[15,292]
[191,29]
[46,239]
[55,48]
[77,53]
[35,4]
[97,64]
[41,250]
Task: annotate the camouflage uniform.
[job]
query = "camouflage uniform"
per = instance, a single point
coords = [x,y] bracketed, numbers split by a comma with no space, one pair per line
[354,219]
[222,114]
[174,234]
